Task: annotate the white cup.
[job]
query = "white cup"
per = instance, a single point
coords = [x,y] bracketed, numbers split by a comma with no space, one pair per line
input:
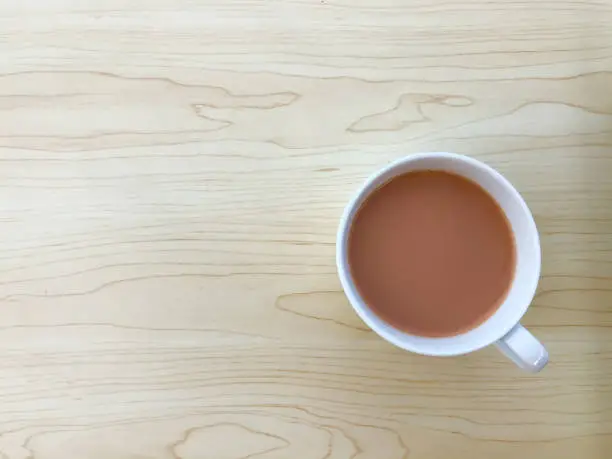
[502,328]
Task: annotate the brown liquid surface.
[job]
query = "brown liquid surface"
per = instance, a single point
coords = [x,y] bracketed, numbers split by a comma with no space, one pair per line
[432,253]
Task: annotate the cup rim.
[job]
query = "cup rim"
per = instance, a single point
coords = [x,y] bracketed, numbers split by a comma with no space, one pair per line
[398,337]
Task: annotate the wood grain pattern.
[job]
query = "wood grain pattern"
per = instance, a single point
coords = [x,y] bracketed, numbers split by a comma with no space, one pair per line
[173,172]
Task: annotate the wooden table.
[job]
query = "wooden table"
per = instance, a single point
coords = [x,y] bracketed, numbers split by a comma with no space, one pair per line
[173,172]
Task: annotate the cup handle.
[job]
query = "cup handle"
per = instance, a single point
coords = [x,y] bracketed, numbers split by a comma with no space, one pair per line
[524,349]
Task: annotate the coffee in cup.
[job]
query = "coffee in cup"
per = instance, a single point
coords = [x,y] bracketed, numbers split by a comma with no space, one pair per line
[431,253]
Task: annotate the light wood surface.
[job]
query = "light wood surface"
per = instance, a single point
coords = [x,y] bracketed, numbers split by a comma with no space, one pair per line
[172,175]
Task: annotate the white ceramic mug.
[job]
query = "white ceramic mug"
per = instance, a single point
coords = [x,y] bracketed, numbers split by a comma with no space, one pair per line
[502,328]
